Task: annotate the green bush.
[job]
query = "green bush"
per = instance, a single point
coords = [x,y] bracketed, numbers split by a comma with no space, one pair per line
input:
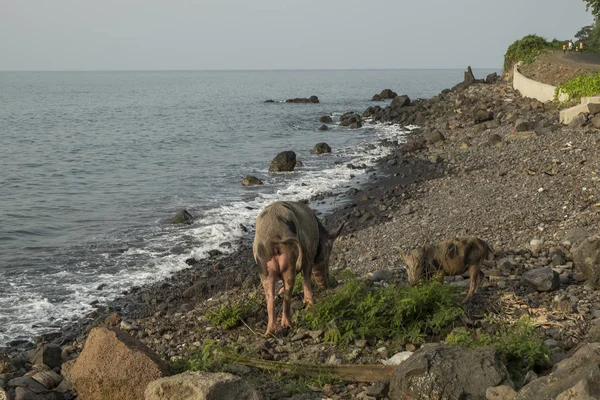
[581,86]
[406,314]
[526,50]
[517,342]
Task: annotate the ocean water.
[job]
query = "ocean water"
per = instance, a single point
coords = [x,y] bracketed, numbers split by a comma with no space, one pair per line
[95,164]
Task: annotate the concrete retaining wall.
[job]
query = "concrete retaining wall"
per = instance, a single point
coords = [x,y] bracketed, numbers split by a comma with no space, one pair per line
[533,89]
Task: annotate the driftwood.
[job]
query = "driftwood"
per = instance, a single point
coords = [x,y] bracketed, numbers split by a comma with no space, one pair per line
[346,372]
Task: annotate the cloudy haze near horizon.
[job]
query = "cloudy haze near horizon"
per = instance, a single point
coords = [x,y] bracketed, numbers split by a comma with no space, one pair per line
[273,34]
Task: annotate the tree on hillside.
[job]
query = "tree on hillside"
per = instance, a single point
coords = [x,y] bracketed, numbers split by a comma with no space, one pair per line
[594,5]
[585,33]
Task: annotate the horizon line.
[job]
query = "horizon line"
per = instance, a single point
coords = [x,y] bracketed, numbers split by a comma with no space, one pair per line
[246,70]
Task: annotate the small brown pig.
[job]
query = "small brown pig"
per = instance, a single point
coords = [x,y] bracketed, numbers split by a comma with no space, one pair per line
[289,238]
[450,257]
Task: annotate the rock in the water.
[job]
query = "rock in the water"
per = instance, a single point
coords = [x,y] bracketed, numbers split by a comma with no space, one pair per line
[114,365]
[299,164]
[384,95]
[251,180]
[201,386]
[442,371]
[323,128]
[321,148]
[541,279]
[183,217]
[523,125]
[387,94]
[47,355]
[269,101]
[400,101]
[283,162]
[576,377]
[587,259]
[326,119]
[311,99]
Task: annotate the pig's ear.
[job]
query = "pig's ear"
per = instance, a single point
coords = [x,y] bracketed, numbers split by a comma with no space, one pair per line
[334,235]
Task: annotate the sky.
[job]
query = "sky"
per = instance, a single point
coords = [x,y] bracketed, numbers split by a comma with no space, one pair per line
[59,35]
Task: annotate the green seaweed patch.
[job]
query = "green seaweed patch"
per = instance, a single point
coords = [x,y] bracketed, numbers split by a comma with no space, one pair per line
[358,310]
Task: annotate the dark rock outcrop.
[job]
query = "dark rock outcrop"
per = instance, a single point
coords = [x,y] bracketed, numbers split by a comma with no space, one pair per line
[577,377]
[326,119]
[384,95]
[311,99]
[323,128]
[442,371]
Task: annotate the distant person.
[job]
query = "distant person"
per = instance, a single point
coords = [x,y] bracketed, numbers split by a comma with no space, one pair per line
[564,48]
[570,46]
[581,46]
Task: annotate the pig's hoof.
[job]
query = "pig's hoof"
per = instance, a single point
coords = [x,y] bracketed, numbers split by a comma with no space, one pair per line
[270,331]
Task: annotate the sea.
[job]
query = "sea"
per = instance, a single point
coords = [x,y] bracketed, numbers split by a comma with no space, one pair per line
[94,165]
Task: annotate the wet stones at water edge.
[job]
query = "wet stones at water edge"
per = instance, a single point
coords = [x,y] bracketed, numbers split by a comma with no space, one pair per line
[326,119]
[183,217]
[321,148]
[385,94]
[283,162]
[251,180]
[323,128]
[351,120]
[311,99]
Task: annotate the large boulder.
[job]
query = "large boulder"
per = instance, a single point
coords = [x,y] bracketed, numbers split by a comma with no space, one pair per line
[283,162]
[443,371]
[311,99]
[201,386]
[114,365]
[587,259]
[321,148]
[400,101]
[541,279]
[576,377]
[326,119]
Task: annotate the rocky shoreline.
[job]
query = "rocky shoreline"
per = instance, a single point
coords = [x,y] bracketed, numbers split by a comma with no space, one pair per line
[485,162]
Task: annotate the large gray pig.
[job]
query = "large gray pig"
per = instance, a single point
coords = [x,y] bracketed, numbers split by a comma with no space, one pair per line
[289,238]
